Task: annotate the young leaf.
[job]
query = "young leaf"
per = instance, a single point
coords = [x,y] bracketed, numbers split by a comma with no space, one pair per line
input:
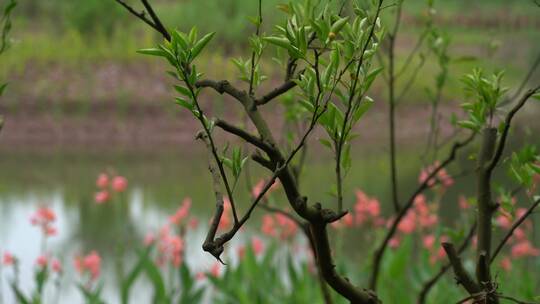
[199,46]
[152,52]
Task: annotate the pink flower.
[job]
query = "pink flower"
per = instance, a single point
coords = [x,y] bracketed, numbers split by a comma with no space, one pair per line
[200,276]
[170,247]
[523,249]
[428,241]
[193,223]
[520,234]
[424,175]
[506,264]
[215,270]
[56,266]
[102,180]
[226,221]
[445,178]
[268,225]
[504,221]
[149,239]
[463,203]
[348,220]
[8,259]
[439,255]
[288,226]
[408,223]
[89,264]
[102,197]
[394,242]
[241,251]
[44,217]
[520,212]
[119,184]
[42,261]
[258,245]
[181,213]
[366,208]
[258,188]
[51,231]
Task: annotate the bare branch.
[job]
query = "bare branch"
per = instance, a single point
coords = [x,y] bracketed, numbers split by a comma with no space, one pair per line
[155,23]
[158,25]
[462,276]
[248,137]
[282,89]
[222,86]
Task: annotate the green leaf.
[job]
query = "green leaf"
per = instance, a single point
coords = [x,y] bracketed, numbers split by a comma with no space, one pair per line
[153,52]
[153,273]
[2,88]
[467,124]
[184,103]
[199,46]
[362,108]
[338,25]
[193,35]
[127,283]
[279,41]
[19,295]
[536,96]
[184,91]
[325,142]
[180,39]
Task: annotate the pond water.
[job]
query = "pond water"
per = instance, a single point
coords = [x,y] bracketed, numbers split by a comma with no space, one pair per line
[158,182]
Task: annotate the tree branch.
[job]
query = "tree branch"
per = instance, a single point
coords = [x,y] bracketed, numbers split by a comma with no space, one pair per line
[155,23]
[222,86]
[248,137]
[282,89]
[462,276]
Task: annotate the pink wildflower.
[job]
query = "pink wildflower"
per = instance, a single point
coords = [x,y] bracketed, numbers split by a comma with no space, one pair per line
[288,226]
[258,188]
[8,259]
[463,203]
[102,197]
[44,217]
[56,266]
[215,270]
[506,264]
[89,264]
[504,221]
[408,223]
[102,180]
[181,213]
[428,241]
[42,261]
[193,223]
[119,184]
[268,225]
[523,249]
[149,239]
[394,242]
[258,245]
